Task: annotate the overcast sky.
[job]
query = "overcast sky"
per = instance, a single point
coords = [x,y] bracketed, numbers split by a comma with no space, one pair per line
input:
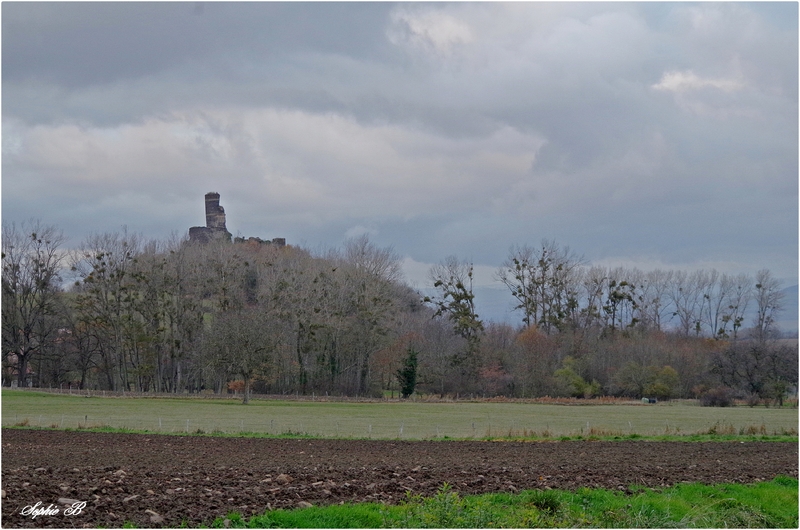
[650,135]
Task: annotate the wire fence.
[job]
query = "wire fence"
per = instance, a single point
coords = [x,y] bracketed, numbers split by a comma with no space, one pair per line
[338,417]
[211,395]
[354,428]
[395,396]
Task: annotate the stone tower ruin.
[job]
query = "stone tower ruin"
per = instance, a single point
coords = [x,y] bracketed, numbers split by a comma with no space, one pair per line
[215,226]
[215,214]
[215,222]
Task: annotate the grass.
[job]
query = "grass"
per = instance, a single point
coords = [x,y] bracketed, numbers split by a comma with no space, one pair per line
[772,504]
[392,420]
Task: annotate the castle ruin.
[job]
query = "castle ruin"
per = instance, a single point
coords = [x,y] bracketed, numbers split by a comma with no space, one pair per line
[215,214]
[215,222]
[215,226]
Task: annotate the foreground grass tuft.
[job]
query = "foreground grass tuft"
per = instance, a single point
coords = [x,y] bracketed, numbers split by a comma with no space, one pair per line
[772,504]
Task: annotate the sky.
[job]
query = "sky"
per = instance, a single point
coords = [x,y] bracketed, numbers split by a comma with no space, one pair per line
[649,135]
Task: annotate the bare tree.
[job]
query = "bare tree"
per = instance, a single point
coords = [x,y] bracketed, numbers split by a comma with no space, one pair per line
[715,294]
[517,274]
[104,295]
[688,301]
[620,303]
[371,276]
[593,285]
[739,296]
[453,280]
[766,369]
[769,302]
[726,301]
[544,283]
[380,263]
[32,260]
[439,347]
[653,298]
[238,342]
[182,314]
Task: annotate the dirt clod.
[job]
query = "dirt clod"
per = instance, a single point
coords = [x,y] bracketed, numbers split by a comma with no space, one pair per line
[155,518]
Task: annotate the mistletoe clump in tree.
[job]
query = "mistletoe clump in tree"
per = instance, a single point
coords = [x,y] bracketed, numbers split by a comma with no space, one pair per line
[453,280]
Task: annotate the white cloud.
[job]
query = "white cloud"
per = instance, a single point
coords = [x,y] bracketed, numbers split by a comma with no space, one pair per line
[675,81]
[720,97]
[415,272]
[430,30]
[320,165]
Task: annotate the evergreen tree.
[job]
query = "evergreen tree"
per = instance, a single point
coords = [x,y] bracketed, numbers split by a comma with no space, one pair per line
[407,375]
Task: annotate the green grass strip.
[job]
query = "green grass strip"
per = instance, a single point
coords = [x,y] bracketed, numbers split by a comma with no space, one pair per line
[772,504]
[305,436]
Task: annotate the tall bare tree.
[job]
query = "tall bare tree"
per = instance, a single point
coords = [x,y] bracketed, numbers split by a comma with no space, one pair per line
[371,275]
[543,281]
[725,304]
[688,301]
[653,299]
[739,296]
[104,295]
[32,260]
[769,302]
[239,343]
[620,300]
[453,280]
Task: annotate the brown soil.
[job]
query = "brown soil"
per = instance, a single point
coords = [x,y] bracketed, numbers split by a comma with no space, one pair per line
[160,480]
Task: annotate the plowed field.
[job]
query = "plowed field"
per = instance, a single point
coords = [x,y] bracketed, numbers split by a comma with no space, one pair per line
[161,480]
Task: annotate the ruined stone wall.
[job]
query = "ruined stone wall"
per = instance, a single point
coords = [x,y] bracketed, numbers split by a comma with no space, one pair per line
[215,226]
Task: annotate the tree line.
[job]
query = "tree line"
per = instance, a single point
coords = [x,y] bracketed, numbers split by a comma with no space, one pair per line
[120,312]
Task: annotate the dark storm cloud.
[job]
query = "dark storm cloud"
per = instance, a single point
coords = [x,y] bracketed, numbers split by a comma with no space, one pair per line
[75,44]
[114,62]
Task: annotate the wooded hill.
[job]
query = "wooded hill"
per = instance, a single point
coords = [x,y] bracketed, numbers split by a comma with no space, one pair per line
[121,312]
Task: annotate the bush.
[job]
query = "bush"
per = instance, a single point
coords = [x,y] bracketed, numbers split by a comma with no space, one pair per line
[717,397]
[753,400]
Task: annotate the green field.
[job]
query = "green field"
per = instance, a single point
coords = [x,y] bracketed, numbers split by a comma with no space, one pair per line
[390,419]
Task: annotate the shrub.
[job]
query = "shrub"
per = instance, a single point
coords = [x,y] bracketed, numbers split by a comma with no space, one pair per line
[237,386]
[753,400]
[717,397]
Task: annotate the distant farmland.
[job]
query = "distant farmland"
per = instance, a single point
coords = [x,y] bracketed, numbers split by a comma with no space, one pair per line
[389,420]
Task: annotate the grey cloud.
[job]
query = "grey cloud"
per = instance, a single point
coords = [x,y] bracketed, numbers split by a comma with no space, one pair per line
[515,122]
[75,44]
